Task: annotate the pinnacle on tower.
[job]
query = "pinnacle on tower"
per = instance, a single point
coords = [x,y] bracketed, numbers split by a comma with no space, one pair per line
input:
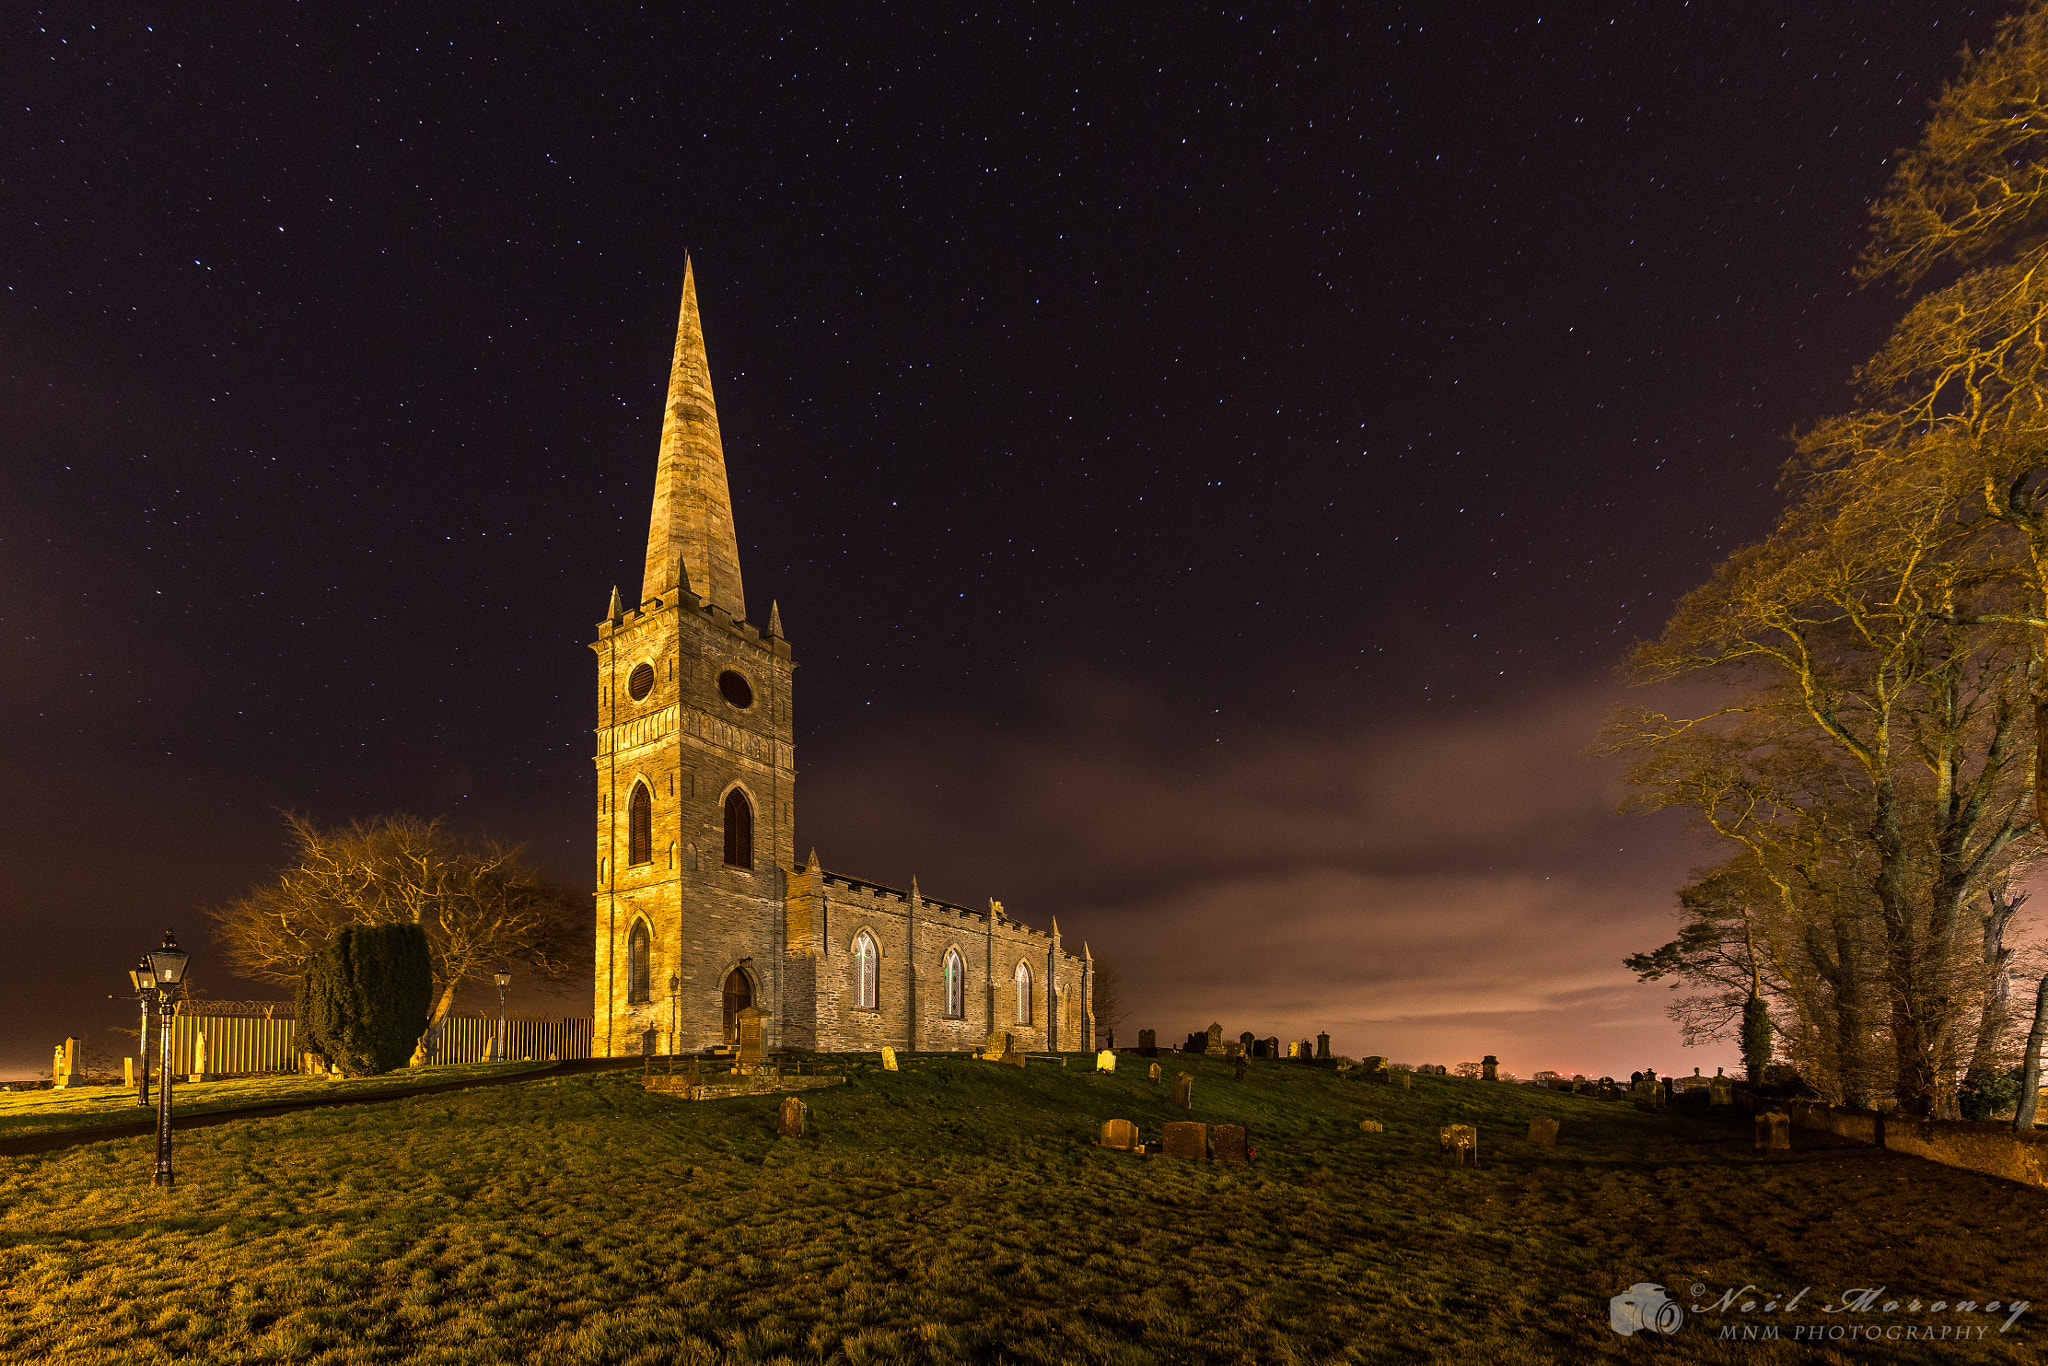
[613,613]
[774,620]
[690,539]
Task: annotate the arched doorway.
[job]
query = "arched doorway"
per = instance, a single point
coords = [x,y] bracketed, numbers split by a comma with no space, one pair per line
[739,994]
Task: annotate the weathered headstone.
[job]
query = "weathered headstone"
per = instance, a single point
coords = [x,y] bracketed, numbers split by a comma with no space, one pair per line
[750,1041]
[1370,1126]
[1105,1061]
[1774,1132]
[1374,1069]
[1120,1134]
[1273,1048]
[1543,1130]
[790,1120]
[1230,1144]
[888,1058]
[1015,1057]
[1184,1090]
[1247,1044]
[1152,1075]
[1323,1047]
[1148,1043]
[200,1070]
[1185,1138]
[1489,1068]
[1720,1090]
[1213,1043]
[1293,1049]
[997,1045]
[1460,1141]
[1307,1051]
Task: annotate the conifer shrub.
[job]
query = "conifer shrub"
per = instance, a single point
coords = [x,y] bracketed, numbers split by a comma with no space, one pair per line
[363,1002]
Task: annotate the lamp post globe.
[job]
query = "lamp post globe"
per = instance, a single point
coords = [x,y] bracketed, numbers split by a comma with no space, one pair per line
[167,964]
[503,979]
[144,978]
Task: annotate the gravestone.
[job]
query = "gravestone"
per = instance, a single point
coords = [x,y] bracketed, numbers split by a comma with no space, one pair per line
[1212,1042]
[1323,1047]
[789,1121]
[1489,1068]
[888,1058]
[1306,1052]
[1248,1044]
[1238,1062]
[1148,1043]
[1230,1144]
[1720,1090]
[1105,1061]
[200,1070]
[1375,1069]
[1153,1074]
[1774,1132]
[1015,1058]
[1273,1048]
[1185,1138]
[1543,1130]
[1293,1049]
[1184,1090]
[1370,1126]
[997,1045]
[1259,1049]
[750,1041]
[1404,1079]
[1459,1141]
[1120,1134]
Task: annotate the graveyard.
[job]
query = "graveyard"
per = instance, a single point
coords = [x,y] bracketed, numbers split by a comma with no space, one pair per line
[960,1209]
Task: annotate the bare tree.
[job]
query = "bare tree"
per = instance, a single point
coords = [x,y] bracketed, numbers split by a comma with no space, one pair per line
[1108,988]
[480,904]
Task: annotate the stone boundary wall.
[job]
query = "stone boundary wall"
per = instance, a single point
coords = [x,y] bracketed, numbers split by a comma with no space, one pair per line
[1990,1147]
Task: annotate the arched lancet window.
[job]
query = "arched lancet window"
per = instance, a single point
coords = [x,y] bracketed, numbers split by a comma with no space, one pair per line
[637,945]
[640,826]
[864,971]
[739,830]
[956,990]
[1023,993]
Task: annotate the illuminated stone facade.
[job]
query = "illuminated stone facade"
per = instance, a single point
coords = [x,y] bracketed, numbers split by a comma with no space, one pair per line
[702,908]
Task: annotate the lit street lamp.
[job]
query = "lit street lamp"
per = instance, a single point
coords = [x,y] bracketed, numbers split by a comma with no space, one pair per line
[504,979]
[144,978]
[675,992]
[167,968]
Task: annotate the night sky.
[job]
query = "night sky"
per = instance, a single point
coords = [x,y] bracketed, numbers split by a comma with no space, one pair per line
[1210,462]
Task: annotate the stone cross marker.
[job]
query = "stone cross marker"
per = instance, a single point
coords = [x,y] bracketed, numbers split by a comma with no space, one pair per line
[1153,1074]
[1105,1061]
[1774,1132]
[1185,1138]
[1184,1090]
[1459,1140]
[1230,1144]
[888,1058]
[1148,1043]
[1120,1134]
[1213,1046]
[750,1039]
[1542,1130]
[791,1119]
[60,1073]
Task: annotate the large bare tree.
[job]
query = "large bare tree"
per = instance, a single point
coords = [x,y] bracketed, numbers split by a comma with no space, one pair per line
[482,906]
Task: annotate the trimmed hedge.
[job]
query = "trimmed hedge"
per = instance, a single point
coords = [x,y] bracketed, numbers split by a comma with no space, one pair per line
[363,1003]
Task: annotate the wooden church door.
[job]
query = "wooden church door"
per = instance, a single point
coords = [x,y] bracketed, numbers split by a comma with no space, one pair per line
[739,994]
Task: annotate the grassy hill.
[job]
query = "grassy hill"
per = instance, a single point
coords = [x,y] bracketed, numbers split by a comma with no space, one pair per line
[957,1211]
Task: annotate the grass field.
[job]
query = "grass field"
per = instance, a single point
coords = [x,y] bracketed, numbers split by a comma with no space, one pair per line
[958,1212]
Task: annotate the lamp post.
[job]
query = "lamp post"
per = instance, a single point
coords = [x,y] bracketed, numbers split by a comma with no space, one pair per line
[675,992]
[504,979]
[144,978]
[167,964]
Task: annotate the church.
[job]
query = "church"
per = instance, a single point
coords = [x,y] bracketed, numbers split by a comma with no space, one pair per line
[702,908]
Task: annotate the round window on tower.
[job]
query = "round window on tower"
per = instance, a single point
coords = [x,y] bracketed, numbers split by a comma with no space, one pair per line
[641,681]
[735,690]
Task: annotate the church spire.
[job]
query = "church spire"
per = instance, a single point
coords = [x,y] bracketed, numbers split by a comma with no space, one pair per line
[690,540]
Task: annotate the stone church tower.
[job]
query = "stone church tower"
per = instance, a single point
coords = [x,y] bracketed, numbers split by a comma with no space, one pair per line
[694,762]
[702,909]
